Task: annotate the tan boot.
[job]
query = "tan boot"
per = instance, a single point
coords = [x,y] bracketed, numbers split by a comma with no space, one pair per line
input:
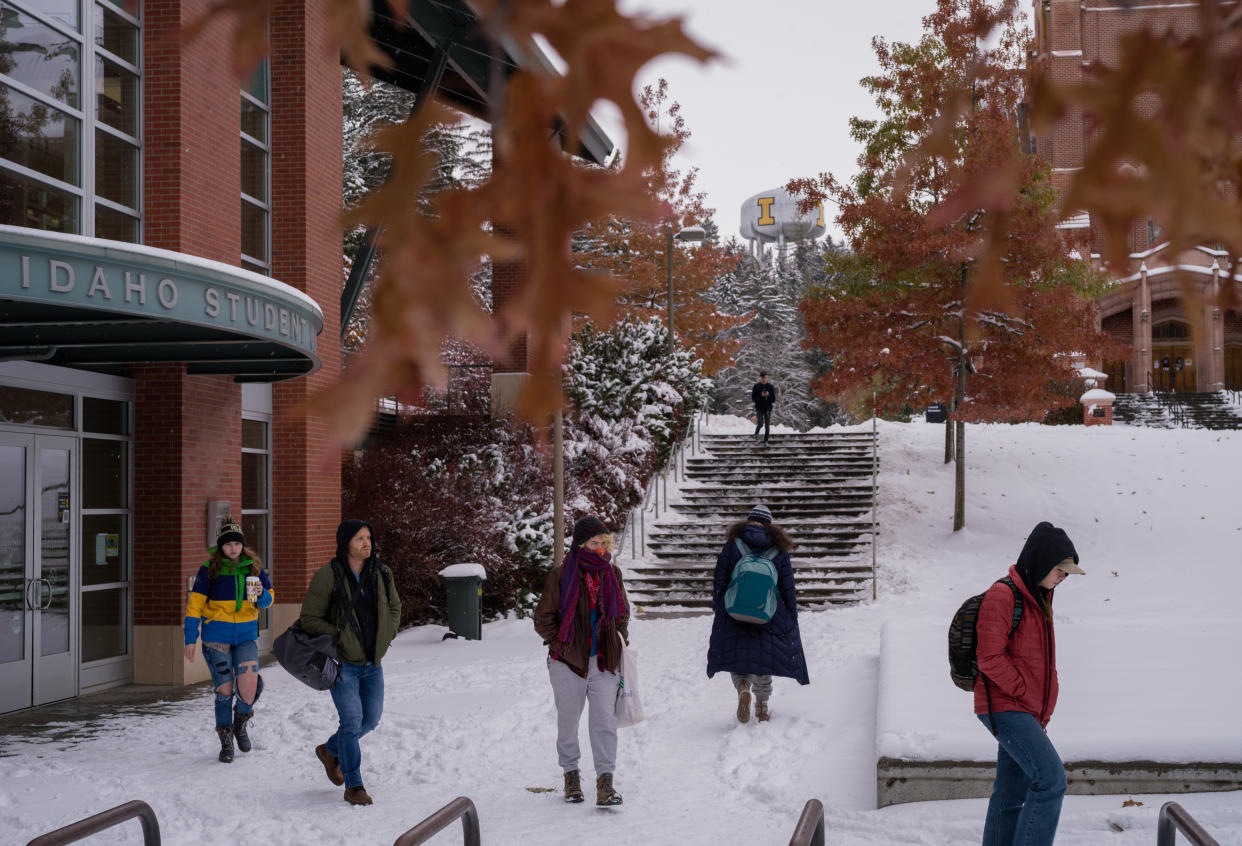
[573,787]
[604,794]
[761,711]
[743,706]
[357,795]
[331,765]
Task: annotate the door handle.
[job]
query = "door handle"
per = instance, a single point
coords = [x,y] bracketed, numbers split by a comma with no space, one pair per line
[29,584]
[49,595]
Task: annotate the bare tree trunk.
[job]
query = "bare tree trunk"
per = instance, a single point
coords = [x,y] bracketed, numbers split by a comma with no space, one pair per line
[948,434]
[959,487]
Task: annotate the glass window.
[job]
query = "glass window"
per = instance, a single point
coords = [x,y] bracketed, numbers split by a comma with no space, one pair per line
[116,96]
[38,56]
[103,474]
[116,35]
[107,417]
[254,231]
[28,202]
[35,408]
[104,628]
[38,136]
[253,120]
[115,225]
[254,481]
[62,11]
[253,171]
[257,86]
[103,549]
[116,169]
[12,551]
[254,434]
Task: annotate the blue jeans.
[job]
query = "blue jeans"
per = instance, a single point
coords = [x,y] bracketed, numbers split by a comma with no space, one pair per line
[225,665]
[763,420]
[1030,783]
[359,699]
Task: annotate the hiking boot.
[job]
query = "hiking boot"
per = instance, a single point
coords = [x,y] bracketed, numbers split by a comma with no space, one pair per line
[604,794]
[573,787]
[743,706]
[239,730]
[226,743]
[761,711]
[357,795]
[331,765]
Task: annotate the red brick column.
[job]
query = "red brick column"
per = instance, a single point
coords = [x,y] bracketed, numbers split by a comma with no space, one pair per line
[306,253]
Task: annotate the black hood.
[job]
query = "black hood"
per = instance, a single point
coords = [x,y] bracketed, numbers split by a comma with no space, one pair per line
[345,533]
[1046,547]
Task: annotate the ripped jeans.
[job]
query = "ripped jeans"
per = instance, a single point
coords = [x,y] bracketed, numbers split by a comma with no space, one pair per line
[226,662]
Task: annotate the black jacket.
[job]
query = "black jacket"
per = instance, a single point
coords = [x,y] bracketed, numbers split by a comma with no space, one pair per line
[756,395]
[774,649]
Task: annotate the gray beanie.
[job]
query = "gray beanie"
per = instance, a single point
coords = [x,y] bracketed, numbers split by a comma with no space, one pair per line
[761,513]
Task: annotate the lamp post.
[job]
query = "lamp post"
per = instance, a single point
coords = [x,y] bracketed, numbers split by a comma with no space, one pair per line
[690,233]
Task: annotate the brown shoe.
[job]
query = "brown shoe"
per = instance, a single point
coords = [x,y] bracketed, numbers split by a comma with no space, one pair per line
[573,787]
[604,794]
[761,711]
[357,795]
[743,706]
[331,766]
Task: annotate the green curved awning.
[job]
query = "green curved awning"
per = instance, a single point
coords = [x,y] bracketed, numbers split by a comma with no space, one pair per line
[102,305]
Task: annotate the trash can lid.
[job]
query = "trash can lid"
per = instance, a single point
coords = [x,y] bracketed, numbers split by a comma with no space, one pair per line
[464,571]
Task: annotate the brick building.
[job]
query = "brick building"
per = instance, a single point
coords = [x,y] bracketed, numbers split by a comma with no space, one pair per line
[170,296]
[1172,349]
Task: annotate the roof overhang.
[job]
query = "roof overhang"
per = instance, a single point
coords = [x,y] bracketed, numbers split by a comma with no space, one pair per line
[102,305]
[453,25]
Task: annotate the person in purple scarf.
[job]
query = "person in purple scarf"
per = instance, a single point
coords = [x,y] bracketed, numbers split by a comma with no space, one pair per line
[582,616]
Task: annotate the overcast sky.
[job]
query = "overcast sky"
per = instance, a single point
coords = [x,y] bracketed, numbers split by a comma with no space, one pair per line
[778,105]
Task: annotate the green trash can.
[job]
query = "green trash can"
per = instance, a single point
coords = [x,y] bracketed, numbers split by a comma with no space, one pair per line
[464,585]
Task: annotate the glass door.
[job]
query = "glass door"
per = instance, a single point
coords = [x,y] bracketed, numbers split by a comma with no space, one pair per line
[38,613]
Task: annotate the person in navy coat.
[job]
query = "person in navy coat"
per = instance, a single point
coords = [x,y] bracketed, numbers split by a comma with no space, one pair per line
[753,653]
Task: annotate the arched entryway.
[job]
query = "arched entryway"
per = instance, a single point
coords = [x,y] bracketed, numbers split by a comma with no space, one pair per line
[1233,367]
[1172,360]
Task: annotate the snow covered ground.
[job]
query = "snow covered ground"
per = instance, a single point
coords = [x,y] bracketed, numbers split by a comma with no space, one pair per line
[1154,515]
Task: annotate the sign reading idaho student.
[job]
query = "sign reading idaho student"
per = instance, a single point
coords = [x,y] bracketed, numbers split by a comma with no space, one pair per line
[73,271]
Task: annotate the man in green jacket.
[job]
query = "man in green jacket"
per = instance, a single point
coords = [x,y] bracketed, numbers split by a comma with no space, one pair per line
[356,589]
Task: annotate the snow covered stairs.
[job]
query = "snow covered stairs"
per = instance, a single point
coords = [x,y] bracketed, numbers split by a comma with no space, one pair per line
[818,487]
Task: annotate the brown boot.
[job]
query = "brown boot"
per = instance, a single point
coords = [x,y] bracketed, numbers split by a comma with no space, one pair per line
[604,794]
[761,711]
[357,795]
[573,787]
[743,706]
[331,765]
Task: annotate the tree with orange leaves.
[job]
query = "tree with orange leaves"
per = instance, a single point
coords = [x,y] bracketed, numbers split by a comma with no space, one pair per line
[943,301]
[636,252]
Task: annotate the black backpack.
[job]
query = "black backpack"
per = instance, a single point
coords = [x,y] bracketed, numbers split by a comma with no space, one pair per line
[964,641]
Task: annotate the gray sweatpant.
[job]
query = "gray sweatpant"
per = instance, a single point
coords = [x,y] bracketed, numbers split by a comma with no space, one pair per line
[761,684]
[571,692]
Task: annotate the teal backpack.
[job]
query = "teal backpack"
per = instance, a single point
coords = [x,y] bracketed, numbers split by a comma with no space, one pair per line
[751,595]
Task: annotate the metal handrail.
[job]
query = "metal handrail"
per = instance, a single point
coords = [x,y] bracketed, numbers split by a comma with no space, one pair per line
[810,828]
[460,808]
[105,820]
[1173,818]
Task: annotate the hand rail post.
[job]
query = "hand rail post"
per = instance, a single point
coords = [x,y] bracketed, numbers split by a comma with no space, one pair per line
[1173,818]
[875,461]
[810,828]
[462,808]
[103,820]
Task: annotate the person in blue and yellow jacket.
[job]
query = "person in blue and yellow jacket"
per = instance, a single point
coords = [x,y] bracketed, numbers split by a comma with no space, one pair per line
[228,592]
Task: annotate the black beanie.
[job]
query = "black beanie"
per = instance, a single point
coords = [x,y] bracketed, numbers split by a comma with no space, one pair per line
[1046,547]
[345,533]
[587,528]
[230,531]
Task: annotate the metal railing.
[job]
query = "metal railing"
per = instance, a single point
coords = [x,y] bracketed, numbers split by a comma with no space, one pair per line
[1173,818]
[651,496]
[460,808]
[105,820]
[810,828]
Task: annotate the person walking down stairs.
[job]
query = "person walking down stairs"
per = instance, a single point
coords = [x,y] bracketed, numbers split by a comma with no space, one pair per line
[763,395]
[754,652]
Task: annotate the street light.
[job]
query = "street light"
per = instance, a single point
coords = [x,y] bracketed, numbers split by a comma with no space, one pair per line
[692,234]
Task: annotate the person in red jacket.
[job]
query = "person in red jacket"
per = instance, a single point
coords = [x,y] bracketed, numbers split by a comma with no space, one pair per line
[1016,692]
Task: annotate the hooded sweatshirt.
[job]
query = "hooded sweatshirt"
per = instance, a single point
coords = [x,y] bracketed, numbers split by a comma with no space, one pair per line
[1019,673]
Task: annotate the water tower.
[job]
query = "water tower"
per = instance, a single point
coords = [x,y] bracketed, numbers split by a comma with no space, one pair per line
[772,217]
